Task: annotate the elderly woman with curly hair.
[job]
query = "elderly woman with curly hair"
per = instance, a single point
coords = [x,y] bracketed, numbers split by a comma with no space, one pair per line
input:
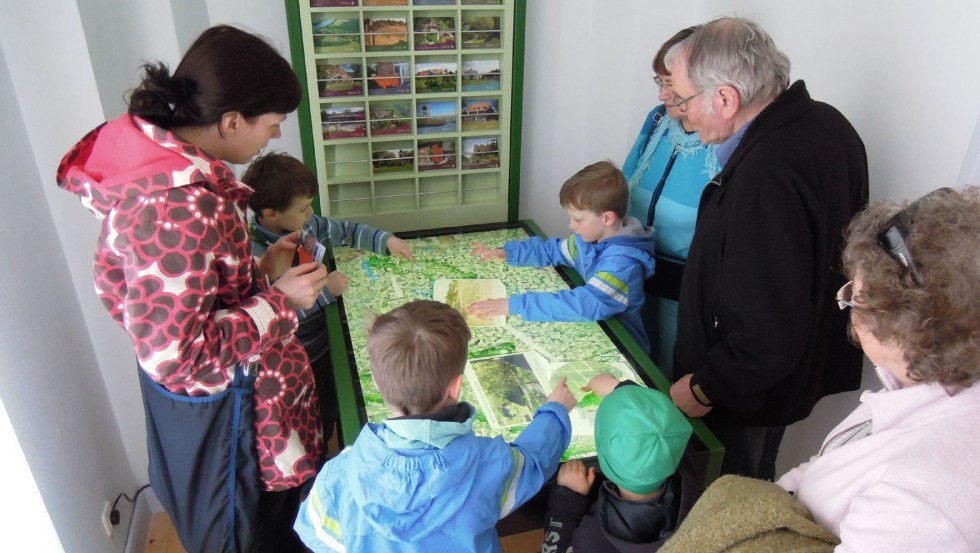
[902,472]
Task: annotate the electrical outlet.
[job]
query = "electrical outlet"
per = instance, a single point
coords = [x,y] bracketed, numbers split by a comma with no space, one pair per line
[106,523]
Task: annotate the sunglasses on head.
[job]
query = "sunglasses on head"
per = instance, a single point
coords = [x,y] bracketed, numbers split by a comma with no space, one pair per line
[893,237]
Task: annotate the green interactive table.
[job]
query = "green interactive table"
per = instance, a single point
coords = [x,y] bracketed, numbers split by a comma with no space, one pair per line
[513,363]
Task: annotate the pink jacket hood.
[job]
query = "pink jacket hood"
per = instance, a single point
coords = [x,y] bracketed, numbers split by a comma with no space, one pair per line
[111,163]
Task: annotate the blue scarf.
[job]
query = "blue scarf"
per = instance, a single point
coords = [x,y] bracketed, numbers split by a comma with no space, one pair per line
[684,143]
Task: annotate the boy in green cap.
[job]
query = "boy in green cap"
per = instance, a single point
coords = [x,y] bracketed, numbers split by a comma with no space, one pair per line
[640,437]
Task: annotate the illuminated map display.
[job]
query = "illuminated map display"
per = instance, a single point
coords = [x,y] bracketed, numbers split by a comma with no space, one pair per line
[513,363]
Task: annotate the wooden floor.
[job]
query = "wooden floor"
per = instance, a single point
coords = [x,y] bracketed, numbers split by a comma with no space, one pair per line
[163,539]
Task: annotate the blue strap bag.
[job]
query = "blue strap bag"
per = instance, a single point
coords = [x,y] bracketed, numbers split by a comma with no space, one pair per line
[203,464]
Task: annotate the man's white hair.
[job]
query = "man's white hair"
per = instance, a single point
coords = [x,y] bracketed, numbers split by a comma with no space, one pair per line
[735,52]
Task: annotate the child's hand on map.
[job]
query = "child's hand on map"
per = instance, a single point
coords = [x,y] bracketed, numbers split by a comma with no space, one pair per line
[575,477]
[489,308]
[400,248]
[337,283]
[486,253]
[562,395]
[601,384]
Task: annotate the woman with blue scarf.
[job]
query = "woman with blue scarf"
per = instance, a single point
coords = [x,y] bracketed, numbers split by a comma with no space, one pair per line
[667,169]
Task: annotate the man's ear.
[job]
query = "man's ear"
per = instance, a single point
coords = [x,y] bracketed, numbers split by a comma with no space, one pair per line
[730,101]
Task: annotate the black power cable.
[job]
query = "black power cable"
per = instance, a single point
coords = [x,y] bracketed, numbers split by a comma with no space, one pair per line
[114,513]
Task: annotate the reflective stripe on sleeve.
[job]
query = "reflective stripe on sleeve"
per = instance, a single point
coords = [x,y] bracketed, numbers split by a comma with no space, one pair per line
[609,290]
[326,529]
[509,499]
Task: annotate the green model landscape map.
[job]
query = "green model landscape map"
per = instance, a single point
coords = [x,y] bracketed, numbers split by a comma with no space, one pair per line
[512,367]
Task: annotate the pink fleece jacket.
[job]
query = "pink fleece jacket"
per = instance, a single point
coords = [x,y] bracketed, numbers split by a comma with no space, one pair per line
[912,485]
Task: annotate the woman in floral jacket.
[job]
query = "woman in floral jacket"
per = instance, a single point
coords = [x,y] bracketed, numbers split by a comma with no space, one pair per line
[172,264]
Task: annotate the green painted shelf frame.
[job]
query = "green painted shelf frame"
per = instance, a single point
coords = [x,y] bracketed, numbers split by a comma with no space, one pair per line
[448,188]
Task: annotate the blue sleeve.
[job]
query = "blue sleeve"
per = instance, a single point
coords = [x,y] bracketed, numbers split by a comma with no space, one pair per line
[538,252]
[315,522]
[537,452]
[258,248]
[605,295]
[335,232]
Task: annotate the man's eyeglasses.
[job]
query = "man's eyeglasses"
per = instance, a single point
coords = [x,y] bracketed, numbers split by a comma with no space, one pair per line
[893,237]
[845,296]
[681,105]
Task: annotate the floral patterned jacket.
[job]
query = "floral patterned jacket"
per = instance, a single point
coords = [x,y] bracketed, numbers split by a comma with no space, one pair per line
[172,267]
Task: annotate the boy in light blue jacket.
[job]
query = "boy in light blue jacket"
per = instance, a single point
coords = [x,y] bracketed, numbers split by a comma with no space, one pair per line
[423,481]
[613,254]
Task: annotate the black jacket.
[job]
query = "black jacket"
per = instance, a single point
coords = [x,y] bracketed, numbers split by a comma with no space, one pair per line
[613,524]
[758,325]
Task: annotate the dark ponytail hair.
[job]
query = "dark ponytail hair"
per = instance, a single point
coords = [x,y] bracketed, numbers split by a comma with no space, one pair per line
[226,69]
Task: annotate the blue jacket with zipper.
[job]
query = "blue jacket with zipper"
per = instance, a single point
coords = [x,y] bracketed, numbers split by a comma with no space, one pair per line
[422,484]
[613,270]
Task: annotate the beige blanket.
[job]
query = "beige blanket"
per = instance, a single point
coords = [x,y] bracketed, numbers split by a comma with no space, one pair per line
[742,515]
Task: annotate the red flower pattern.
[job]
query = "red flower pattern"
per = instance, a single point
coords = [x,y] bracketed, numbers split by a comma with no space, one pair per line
[172,267]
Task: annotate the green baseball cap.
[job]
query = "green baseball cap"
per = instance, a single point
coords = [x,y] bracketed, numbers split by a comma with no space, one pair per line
[640,436]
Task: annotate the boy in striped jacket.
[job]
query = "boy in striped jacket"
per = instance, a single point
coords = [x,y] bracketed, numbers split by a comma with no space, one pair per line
[613,254]
[422,481]
[282,204]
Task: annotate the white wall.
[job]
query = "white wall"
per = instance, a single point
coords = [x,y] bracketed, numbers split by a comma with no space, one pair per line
[904,73]
[24,523]
[50,382]
[68,375]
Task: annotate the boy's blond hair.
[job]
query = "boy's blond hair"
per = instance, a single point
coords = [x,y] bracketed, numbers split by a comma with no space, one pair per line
[416,350]
[598,188]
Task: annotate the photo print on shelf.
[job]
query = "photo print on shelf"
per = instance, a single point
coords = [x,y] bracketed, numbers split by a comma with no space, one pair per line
[385,33]
[389,77]
[390,159]
[480,31]
[437,154]
[433,116]
[481,153]
[435,33]
[339,79]
[390,118]
[332,3]
[480,114]
[481,75]
[435,76]
[343,121]
[333,35]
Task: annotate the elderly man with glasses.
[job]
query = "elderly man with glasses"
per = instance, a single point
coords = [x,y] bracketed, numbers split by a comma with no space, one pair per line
[760,338]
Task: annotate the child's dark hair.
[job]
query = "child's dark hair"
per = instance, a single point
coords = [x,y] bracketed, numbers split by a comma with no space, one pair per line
[598,188]
[278,179]
[416,350]
[226,69]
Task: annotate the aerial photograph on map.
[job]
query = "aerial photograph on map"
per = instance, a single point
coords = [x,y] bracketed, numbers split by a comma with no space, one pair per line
[513,364]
